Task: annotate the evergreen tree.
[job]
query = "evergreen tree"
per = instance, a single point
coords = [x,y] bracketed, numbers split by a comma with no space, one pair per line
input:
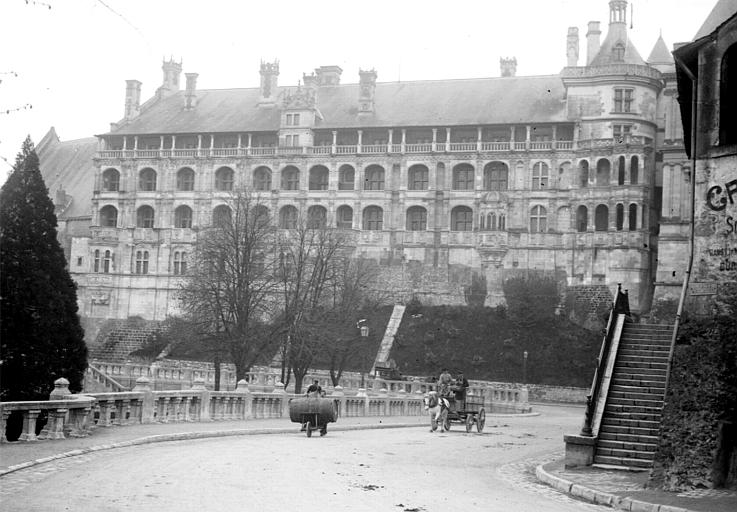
[41,336]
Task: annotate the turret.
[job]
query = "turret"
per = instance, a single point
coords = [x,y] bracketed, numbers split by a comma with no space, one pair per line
[171,70]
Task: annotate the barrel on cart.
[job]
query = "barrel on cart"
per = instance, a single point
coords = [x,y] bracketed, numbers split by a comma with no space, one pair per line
[313,413]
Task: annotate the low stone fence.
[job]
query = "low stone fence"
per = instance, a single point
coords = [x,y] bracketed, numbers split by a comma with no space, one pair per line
[69,415]
[557,394]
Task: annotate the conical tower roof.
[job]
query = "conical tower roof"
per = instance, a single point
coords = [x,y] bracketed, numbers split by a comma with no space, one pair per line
[660,53]
[617,48]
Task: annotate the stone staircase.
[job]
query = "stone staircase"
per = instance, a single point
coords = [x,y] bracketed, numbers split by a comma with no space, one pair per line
[629,428]
[121,340]
[388,340]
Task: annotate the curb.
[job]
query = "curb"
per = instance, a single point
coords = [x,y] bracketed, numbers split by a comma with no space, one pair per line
[183,436]
[600,497]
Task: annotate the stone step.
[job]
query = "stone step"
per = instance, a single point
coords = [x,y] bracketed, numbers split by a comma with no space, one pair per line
[632,431]
[628,454]
[643,339]
[638,379]
[638,351]
[643,399]
[626,386]
[629,438]
[645,365]
[623,461]
[616,400]
[628,412]
[626,446]
[627,358]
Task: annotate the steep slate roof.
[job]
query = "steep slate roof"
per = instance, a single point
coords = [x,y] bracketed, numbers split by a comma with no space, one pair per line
[68,165]
[604,57]
[660,53]
[723,10]
[535,99]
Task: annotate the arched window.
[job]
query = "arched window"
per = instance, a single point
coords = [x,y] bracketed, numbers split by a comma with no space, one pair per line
[317,217]
[111,180]
[620,173]
[582,219]
[374,178]
[538,219]
[461,219]
[224,179]
[633,217]
[102,261]
[373,218]
[603,168]
[601,218]
[319,178]
[540,176]
[502,222]
[185,179]
[96,261]
[180,263]
[463,177]
[618,52]
[221,216]
[728,97]
[107,262]
[145,217]
[416,218]
[418,177]
[183,217]
[491,222]
[262,179]
[496,176]
[344,218]
[620,216]
[288,217]
[260,215]
[634,170]
[108,216]
[147,180]
[290,178]
[583,173]
[141,262]
[346,178]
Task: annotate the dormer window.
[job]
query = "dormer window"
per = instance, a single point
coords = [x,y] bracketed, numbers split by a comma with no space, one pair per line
[292,119]
[623,100]
[618,53]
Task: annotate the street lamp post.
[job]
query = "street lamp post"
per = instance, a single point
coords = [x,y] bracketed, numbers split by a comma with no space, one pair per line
[524,367]
[364,330]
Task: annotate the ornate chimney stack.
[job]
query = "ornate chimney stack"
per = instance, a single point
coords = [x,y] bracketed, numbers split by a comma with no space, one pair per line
[269,82]
[132,99]
[190,94]
[172,71]
[572,46]
[593,41]
[367,91]
[508,66]
[328,75]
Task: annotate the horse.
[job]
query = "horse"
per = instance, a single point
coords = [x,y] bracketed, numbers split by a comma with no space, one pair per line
[438,408]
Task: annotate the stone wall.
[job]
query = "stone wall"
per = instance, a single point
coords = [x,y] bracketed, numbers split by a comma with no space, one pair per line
[557,394]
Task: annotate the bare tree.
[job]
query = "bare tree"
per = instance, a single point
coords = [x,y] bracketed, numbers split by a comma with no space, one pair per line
[310,254]
[230,285]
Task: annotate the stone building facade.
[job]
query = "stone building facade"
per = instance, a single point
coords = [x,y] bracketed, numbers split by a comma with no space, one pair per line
[580,174]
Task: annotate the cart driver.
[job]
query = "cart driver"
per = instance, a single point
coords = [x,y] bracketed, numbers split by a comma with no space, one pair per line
[460,387]
[444,382]
[314,390]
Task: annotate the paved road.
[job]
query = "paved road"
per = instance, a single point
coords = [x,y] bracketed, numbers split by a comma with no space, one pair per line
[401,470]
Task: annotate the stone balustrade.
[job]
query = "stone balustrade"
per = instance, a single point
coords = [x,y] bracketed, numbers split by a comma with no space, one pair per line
[70,415]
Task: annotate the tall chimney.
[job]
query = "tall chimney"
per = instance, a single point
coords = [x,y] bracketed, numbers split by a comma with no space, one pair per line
[190,94]
[171,70]
[366,90]
[508,67]
[572,46]
[132,99]
[328,75]
[269,81]
[593,41]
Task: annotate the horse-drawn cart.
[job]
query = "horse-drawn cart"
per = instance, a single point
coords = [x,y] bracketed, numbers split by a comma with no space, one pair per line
[313,413]
[469,412]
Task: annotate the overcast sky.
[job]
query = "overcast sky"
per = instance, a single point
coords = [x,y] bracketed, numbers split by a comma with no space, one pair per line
[64,63]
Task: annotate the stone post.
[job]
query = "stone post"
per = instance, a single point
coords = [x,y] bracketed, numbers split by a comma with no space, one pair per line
[579,450]
[203,399]
[29,425]
[4,415]
[143,385]
[61,389]
[362,394]
[279,389]
[339,398]
[54,428]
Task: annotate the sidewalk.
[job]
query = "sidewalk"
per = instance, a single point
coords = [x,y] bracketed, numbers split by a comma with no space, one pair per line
[18,455]
[625,490]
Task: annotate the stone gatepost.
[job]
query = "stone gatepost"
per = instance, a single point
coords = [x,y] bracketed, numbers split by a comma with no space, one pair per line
[384,403]
[143,385]
[362,394]
[280,389]
[338,397]
[203,399]
[61,389]
[54,428]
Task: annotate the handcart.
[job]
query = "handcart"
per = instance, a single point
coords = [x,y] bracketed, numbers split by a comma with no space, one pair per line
[313,413]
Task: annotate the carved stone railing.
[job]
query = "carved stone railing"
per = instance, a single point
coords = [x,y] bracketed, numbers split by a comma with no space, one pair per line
[69,415]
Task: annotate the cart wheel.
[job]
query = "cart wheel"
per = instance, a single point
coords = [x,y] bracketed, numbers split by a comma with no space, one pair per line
[309,429]
[469,422]
[481,421]
[446,423]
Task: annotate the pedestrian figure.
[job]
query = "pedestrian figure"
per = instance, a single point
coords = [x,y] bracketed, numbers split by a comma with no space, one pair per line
[444,382]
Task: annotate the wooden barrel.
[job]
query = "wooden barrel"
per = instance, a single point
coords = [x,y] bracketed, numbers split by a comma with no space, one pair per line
[323,407]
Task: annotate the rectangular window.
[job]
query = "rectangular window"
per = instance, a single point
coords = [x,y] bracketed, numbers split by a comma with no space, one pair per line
[621,132]
[289,119]
[623,100]
[79,261]
[295,120]
[295,139]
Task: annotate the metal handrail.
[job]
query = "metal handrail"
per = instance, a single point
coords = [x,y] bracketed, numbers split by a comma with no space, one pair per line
[621,306]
